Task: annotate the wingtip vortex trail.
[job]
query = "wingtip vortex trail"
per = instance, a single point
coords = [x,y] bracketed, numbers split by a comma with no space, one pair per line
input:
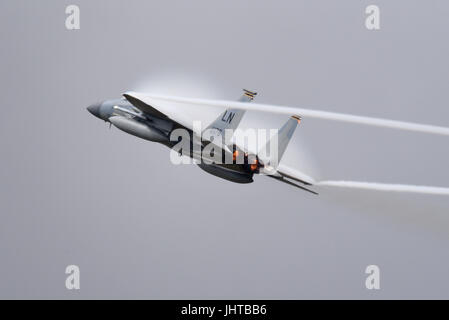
[313,113]
[386,187]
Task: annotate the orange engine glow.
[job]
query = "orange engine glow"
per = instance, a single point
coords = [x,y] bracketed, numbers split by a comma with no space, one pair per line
[253,166]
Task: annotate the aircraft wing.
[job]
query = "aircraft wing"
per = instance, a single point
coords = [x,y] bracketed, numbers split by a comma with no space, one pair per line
[176,111]
[142,106]
[171,110]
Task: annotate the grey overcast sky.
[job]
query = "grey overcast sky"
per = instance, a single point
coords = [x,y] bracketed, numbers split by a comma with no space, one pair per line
[74,192]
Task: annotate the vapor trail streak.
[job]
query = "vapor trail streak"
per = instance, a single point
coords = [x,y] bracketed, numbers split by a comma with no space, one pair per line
[305,113]
[386,187]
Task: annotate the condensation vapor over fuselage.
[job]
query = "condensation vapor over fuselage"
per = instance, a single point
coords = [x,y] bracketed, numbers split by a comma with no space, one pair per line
[126,117]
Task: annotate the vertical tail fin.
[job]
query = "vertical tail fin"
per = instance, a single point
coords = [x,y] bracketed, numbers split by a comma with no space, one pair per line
[230,118]
[247,96]
[280,140]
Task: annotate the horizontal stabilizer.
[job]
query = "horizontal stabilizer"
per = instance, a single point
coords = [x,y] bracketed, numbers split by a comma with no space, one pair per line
[294,174]
[292,183]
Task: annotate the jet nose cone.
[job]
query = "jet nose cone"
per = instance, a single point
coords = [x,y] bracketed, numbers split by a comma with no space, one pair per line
[95,109]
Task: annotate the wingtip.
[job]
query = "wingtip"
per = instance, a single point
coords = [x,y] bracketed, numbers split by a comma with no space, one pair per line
[250,94]
[129,93]
[297,118]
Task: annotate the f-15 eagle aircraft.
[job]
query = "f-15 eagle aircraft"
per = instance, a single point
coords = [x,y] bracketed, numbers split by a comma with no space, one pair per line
[155,117]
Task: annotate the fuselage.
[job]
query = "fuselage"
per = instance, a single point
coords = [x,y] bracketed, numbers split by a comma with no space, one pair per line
[124,116]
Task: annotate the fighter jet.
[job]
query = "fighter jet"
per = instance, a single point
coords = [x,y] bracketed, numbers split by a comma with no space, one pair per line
[147,118]
[155,118]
